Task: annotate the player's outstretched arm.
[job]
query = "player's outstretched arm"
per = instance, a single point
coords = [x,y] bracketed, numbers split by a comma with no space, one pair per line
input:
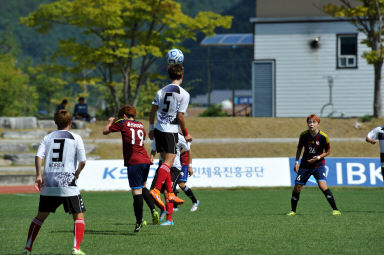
[369,140]
[109,124]
[39,179]
[181,121]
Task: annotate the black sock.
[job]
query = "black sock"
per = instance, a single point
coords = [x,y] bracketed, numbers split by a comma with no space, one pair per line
[190,194]
[331,200]
[138,207]
[294,200]
[148,199]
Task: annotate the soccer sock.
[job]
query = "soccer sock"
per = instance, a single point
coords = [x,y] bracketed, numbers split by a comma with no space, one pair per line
[169,209]
[32,232]
[162,174]
[294,200]
[79,233]
[190,194]
[169,183]
[148,199]
[138,207]
[331,200]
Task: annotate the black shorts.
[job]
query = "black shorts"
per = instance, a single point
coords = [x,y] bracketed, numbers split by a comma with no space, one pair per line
[175,174]
[71,205]
[166,142]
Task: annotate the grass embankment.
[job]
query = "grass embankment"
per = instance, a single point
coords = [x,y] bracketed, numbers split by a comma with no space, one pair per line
[242,127]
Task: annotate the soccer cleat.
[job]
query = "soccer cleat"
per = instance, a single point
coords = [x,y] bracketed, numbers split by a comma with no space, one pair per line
[336,213]
[77,252]
[138,226]
[291,213]
[167,223]
[155,217]
[195,206]
[175,209]
[163,216]
[173,198]
[156,195]
[26,252]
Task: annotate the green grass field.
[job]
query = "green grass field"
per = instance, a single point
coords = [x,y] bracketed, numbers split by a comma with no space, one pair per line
[236,221]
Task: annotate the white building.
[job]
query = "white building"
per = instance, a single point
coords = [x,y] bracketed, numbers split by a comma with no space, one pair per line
[306,65]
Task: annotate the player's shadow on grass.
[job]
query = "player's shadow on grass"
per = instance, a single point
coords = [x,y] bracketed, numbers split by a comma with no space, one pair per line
[102,232]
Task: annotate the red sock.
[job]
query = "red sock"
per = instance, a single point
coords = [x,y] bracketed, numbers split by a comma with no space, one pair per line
[162,175]
[168,183]
[32,233]
[79,233]
[169,210]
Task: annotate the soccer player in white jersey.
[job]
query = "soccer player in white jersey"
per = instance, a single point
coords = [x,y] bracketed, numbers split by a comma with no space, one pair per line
[171,102]
[372,137]
[64,160]
[175,172]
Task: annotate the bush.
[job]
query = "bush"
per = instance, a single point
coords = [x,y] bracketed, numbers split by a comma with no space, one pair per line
[214,111]
[366,118]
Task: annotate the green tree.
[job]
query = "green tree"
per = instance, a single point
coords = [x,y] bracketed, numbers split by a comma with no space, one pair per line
[367,17]
[17,98]
[122,38]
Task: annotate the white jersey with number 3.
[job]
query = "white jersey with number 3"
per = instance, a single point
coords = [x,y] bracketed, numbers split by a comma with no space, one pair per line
[61,150]
[171,99]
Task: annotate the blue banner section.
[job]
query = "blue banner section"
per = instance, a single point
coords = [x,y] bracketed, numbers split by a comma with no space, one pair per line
[364,172]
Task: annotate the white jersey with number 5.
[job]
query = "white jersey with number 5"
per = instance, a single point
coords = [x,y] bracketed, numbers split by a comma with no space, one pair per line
[61,150]
[171,99]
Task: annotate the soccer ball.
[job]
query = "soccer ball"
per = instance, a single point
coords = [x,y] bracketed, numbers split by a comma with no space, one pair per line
[175,56]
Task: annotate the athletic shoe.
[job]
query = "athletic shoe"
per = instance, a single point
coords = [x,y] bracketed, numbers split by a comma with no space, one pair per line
[167,223]
[175,209]
[336,213]
[163,216]
[155,217]
[77,252]
[138,226]
[291,213]
[156,195]
[195,206]
[26,252]
[173,198]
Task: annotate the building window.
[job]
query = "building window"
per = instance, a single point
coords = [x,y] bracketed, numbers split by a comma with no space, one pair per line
[347,51]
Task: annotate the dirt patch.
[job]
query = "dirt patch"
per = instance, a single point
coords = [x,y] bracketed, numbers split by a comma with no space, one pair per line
[17,189]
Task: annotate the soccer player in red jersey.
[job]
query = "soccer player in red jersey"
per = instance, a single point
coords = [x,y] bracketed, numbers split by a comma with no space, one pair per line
[187,170]
[135,159]
[65,158]
[316,148]
[170,104]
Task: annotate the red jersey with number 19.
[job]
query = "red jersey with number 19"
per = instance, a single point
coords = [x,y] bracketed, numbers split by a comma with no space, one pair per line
[133,135]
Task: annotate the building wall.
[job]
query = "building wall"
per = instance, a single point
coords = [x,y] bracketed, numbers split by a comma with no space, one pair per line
[301,72]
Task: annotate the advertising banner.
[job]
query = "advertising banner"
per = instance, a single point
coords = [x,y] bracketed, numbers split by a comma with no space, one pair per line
[215,172]
[364,172]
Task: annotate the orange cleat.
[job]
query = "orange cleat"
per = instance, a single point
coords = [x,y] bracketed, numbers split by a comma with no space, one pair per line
[173,198]
[156,195]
